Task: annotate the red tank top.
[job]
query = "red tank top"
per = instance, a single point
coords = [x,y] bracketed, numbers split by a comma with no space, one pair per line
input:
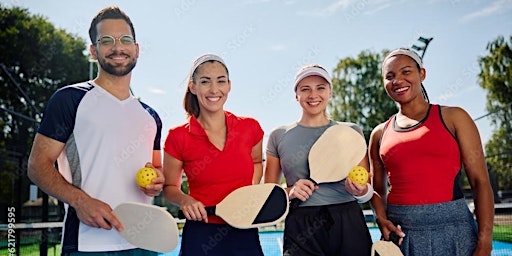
[422,161]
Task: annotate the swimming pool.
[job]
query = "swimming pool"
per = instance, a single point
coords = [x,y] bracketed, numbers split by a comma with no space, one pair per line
[272,242]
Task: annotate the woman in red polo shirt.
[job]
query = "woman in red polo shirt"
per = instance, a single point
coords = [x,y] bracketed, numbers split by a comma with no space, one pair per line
[219,152]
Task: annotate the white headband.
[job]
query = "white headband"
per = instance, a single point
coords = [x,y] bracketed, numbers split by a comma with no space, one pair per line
[404,51]
[204,58]
[312,70]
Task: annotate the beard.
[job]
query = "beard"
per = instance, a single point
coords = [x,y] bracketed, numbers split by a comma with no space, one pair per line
[117,70]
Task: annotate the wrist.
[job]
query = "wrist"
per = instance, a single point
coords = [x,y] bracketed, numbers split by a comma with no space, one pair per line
[366,197]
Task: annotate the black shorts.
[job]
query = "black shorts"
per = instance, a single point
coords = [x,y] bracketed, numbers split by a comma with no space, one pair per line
[327,230]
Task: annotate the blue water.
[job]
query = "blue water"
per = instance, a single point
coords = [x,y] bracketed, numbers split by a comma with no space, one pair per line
[272,242]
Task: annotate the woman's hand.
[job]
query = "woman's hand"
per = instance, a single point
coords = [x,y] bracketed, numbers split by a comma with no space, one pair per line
[194,210]
[302,189]
[387,227]
[355,188]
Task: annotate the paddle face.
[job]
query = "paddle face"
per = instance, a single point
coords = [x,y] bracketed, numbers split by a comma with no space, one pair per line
[385,248]
[253,206]
[334,154]
[147,226]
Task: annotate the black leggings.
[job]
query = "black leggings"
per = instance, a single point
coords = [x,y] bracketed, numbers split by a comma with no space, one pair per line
[327,230]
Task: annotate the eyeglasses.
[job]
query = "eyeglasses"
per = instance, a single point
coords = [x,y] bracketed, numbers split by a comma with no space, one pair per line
[111,41]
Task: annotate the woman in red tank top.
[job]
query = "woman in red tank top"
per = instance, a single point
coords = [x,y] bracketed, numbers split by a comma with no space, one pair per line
[430,217]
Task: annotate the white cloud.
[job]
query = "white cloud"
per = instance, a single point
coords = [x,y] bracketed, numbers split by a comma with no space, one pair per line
[366,7]
[329,10]
[157,91]
[493,8]
[278,47]
[378,9]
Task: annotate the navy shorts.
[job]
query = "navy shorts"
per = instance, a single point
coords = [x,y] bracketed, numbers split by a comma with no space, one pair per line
[201,238]
[132,252]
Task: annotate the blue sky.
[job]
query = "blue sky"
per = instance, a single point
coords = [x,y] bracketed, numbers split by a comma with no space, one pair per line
[265,42]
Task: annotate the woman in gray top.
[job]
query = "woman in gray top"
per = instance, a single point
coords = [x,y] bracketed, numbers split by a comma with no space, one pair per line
[329,220]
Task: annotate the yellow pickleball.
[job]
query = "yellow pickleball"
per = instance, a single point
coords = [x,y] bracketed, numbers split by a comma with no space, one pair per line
[358,174]
[144,176]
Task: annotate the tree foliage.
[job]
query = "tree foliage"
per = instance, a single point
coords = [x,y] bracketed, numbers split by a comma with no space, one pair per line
[496,77]
[36,59]
[358,93]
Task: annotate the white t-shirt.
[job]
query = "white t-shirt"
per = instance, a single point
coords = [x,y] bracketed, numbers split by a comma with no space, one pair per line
[107,141]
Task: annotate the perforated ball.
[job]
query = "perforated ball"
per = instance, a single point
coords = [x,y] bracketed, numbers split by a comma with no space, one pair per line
[358,174]
[144,176]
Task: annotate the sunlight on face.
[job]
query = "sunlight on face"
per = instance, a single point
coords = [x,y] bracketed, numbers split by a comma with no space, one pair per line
[313,94]
[118,59]
[402,78]
[211,85]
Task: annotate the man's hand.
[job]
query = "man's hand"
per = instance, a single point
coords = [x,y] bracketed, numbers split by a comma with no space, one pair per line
[157,183]
[98,214]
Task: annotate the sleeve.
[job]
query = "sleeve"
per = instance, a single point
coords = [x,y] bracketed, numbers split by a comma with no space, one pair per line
[354,126]
[273,142]
[158,121]
[158,136]
[174,144]
[60,112]
[257,131]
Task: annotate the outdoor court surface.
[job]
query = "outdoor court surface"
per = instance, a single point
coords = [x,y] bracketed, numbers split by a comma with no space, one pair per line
[272,244]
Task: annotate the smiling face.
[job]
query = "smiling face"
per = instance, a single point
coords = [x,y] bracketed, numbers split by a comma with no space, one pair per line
[118,59]
[402,78]
[313,94]
[211,85]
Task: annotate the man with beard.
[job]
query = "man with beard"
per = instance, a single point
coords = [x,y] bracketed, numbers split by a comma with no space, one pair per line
[100,135]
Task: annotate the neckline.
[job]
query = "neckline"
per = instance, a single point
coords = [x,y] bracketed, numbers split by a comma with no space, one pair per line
[331,122]
[411,127]
[91,82]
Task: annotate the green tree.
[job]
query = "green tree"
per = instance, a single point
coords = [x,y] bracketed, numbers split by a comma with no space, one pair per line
[496,77]
[358,93]
[36,59]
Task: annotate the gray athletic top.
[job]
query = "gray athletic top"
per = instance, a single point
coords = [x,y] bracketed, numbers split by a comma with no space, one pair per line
[291,144]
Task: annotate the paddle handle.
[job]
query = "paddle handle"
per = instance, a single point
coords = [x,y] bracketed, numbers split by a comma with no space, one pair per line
[294,203]
[393,237]
[210,210]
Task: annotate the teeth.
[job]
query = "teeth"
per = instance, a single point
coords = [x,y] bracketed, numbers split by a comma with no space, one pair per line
[314,103]
[118,57]
[401,89]
[213,98]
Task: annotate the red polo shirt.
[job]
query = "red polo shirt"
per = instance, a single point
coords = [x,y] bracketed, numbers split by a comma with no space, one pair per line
[212,173]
